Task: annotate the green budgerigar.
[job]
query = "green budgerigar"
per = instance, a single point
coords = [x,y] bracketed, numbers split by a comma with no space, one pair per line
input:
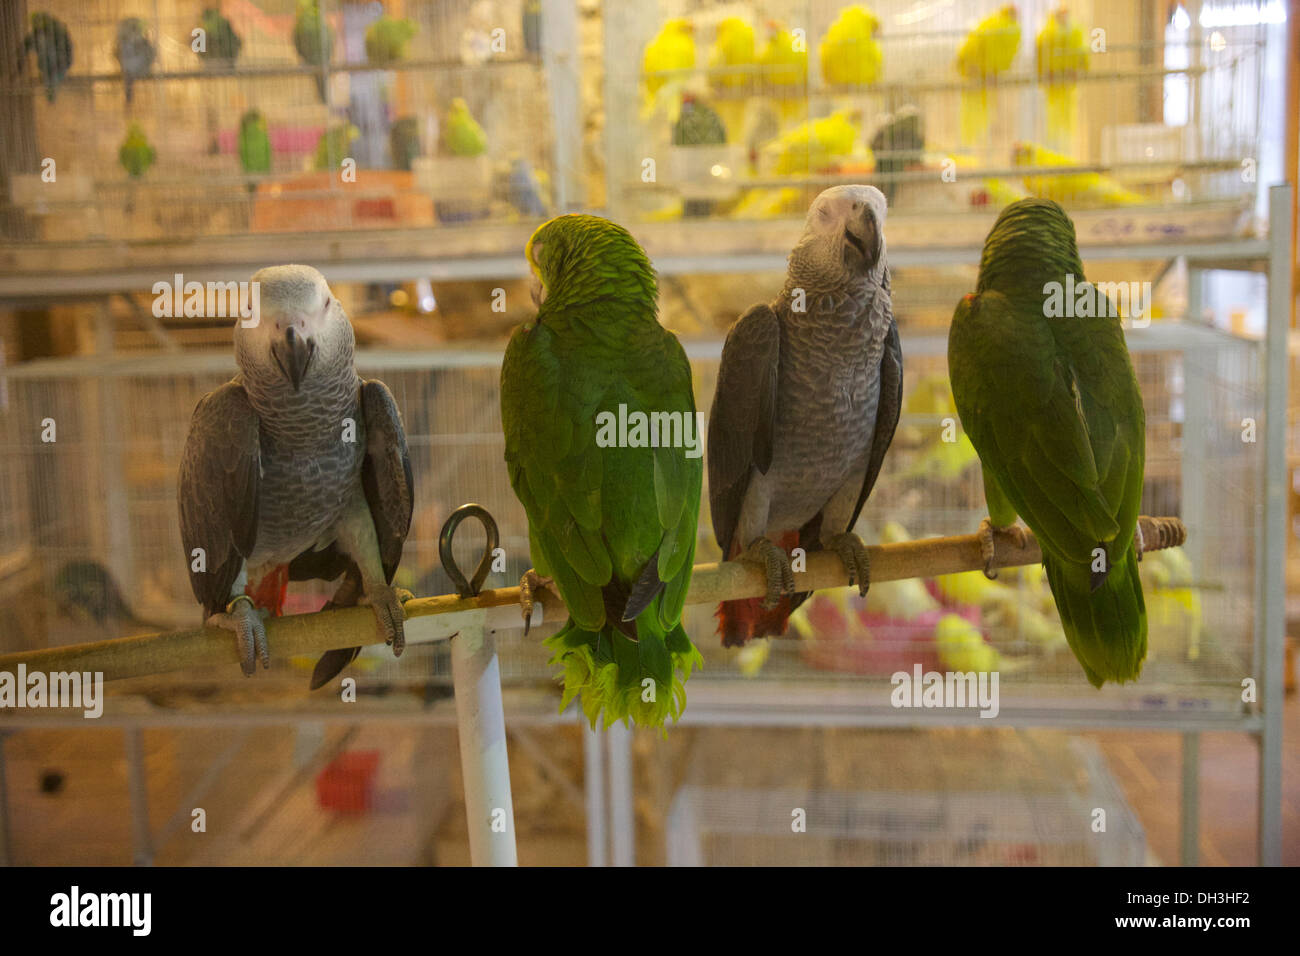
[334,146]
[604,451]
[136,154]
[313,40]
[461,133]
[254,145]
[221,44]
[1046,391]
[386,40]
[50,41]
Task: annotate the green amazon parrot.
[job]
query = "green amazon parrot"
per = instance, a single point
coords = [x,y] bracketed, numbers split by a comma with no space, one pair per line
[612,518]
[1047,393]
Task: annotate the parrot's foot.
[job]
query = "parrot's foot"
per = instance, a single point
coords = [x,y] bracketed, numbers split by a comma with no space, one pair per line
[776,567]
[1138,543]
[987,527]
[857,562]
[387,604]
[243,618]
[529,585]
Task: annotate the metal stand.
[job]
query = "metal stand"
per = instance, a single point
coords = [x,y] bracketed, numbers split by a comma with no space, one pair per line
[483,761]
[476,675]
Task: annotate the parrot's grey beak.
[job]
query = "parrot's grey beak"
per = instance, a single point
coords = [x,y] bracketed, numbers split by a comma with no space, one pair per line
[862,243]
[294,354]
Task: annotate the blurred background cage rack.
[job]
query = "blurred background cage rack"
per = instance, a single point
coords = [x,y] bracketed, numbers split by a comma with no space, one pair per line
[108,494]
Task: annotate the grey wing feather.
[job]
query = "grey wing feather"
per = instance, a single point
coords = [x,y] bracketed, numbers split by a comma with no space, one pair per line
[887,411]
[743,419]
[218,491]
[386,473]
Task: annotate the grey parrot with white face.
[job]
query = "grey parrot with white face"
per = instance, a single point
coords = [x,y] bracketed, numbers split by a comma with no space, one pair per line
[295,469]
[808,395]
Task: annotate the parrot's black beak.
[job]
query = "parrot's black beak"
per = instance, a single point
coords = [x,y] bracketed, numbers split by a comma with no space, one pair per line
[294,354]
[862,243]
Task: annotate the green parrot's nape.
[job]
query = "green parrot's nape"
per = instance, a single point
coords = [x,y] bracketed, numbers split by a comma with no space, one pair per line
[1047,393]
[612,522]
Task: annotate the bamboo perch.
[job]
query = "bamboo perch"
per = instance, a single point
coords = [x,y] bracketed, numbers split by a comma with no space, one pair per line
[313,634]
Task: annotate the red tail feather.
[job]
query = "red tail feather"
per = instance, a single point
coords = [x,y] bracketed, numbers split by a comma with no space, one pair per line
[270,592]
[739,621]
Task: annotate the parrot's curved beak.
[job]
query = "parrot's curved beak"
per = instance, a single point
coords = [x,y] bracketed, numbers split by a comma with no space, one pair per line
[293,354]
[862,242]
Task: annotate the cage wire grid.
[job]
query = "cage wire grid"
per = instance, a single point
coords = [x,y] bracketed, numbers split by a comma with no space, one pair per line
[105,491]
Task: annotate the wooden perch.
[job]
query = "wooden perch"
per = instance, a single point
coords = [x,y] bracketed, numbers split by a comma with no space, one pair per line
[313,634]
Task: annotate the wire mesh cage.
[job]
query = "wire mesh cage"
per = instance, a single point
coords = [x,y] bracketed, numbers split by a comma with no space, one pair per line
[1143,121]
[103,493]
[1024,801]
[192,120]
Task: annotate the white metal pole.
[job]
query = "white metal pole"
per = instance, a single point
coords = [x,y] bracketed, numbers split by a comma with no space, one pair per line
[593,771]
[622,819]
[476,674]
[1272,576]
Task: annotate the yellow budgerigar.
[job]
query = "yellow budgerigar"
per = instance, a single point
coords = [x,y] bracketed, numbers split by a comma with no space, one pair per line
[784,73]
[733,55]
[672,49]
[987,52]
[733,60]
[1079,190]
[1062,56]
[815,145]
[850,53]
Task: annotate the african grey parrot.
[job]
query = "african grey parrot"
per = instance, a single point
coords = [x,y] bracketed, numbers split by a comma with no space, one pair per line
[808,395]
[295,469]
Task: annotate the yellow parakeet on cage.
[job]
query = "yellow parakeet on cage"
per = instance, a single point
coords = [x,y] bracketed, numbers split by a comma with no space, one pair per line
[987,52]
[815,144]
[850,54]
[1062,56]
[768,203]
[672,49]
[733,59]
[784,77]
[733,50]
[1070,189]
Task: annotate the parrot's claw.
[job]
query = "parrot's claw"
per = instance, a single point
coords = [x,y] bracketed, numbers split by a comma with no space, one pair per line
[1138,542]
[776,567]
[987,527]
[243,618]
[857,562]
[529,584]
[387,604]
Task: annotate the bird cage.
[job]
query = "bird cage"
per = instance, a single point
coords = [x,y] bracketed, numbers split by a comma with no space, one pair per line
[1142,127]
[1017,802]
[104,492]
[203,121]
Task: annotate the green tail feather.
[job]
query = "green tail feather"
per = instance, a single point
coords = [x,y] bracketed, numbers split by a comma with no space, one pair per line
[1106,628]
[643,680]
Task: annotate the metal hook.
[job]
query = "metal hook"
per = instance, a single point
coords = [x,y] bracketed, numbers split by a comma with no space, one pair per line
[467,589]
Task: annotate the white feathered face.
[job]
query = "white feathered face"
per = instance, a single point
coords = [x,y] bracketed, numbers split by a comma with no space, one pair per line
[300,329]
[844,235]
